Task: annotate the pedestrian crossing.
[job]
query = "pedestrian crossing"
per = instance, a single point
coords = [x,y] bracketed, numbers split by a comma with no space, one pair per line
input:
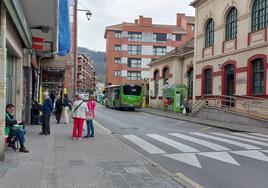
[189,147]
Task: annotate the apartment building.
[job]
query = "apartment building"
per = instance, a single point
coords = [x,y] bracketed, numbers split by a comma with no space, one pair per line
[86,74]
[231,48]
[130,47]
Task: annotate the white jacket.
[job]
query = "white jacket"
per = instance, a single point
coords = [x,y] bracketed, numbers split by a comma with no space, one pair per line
[81,110]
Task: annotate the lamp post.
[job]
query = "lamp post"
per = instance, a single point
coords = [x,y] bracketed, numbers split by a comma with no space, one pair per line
[88,14]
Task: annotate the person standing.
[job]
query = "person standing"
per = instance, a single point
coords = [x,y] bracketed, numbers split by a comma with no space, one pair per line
[91,105]
[58,108]
[79,111]
[47,110]
[67,107]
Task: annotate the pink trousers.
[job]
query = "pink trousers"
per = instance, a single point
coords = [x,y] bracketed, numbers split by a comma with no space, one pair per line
[78,124]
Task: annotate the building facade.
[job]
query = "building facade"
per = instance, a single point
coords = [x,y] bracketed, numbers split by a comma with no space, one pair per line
[231,48]
[86,74]
[176,67]
[130,47]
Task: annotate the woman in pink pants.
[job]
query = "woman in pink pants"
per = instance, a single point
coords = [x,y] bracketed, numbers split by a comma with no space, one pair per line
[79,115]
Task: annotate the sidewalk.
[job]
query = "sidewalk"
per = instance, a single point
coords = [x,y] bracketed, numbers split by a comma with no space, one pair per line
[217,124]
[58,161]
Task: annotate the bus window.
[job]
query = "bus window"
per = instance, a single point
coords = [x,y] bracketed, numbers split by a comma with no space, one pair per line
[132,90]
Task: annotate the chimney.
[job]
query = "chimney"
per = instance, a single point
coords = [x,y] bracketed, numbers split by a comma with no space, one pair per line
[181,20]
[143,21]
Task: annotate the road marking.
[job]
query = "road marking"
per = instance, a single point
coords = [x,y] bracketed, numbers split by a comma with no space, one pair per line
[172,143]
[206,128]
[108,131]
[188,158]
[249,136]
[144,144]
[207,144]
[236,143]
[258,134]
[266,151]
[221,156]
[242,139]
[179,122]
[254,154]
[185,181]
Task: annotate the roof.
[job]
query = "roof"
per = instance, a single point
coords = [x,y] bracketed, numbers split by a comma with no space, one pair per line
[179,51]
[196,3]
[176,29]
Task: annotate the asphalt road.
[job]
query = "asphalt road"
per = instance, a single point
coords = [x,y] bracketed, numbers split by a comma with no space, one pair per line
[213,158]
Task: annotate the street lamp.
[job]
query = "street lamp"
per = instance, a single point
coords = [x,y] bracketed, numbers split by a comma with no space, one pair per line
[88,14]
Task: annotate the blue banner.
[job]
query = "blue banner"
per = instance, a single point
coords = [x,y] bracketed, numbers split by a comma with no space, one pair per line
[64,44]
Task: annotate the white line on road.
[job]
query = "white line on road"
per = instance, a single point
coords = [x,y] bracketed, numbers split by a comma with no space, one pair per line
[236,143]
[249,136]
[172,143]
[221,156]
[179,122]
[188,158]
[144,144]
[207,144]
[254,154]
[242,139]
[108,131]
[258,134]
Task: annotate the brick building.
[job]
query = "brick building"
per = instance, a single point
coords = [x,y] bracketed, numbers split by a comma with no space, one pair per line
[130,47]
[86,75]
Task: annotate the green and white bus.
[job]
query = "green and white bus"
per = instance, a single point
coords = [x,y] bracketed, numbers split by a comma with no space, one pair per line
[127,96]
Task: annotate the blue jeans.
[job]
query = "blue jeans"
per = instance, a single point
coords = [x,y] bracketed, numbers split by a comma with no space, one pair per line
[90,128]
[20,133]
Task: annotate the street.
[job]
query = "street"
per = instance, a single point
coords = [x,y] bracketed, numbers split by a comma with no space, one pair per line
[211,157]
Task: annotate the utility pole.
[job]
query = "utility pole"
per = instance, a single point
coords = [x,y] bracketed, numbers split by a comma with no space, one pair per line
[75,47]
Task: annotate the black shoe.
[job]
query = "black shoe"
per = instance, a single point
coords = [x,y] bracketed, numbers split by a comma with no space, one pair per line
[47,133]
[86,136]
[41,133]
[23,149]
[92,135]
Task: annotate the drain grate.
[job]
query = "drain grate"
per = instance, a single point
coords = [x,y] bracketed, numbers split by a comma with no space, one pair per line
[76,162]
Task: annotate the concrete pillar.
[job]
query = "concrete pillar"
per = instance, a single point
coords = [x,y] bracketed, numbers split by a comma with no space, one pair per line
[19,88]
[3,62]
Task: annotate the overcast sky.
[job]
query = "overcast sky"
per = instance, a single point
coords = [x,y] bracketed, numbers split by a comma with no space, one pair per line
[111,12]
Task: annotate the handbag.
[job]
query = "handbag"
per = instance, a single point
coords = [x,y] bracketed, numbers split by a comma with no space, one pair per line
[89,115]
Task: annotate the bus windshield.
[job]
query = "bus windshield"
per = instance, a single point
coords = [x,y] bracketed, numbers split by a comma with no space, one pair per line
[132,90]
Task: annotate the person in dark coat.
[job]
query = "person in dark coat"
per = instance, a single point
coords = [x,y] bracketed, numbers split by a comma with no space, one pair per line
[58,108]
[15,128]
[47,110]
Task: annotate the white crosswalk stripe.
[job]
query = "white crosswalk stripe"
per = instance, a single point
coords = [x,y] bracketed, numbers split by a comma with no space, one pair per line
[242,139]
[250,136]
[258,134]
[207,144]
[254,154]
[172,143]
[221,156]
[236,143]
[188,158]
[144,145]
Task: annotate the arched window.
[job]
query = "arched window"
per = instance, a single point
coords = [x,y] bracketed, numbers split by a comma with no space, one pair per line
[190,82]
[231,24]
[208,81]
[156,83]
[165,75]
[259,15]
[209,34]
[258,76]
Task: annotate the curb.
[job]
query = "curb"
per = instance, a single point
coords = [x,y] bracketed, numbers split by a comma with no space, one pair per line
[195,121]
